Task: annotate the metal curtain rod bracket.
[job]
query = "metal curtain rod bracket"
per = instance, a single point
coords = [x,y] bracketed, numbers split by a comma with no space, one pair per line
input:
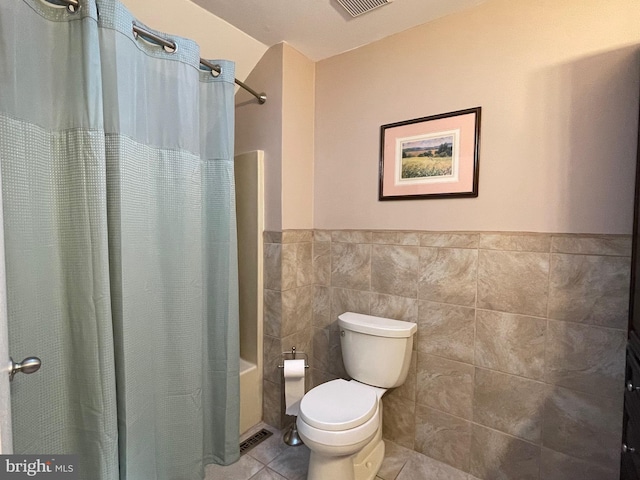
[168,44]
[262,97]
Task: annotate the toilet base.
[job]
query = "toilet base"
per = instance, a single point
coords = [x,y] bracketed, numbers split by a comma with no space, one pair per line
[362,466]
[322,467]
[367,463]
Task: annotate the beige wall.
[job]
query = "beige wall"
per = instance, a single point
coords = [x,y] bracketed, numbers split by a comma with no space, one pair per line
[217,38]
[558,84]
[259,127]
[283,128]
[298,131]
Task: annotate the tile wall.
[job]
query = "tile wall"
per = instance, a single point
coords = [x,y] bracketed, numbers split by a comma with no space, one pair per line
[288,312]
[518,362]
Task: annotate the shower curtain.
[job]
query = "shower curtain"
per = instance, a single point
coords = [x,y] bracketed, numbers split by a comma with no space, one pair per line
[119,214]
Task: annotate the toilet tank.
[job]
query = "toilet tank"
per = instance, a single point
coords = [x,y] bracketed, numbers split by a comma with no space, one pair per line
[376,350]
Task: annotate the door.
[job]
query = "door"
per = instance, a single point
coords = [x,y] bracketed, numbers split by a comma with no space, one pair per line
[6,364]
[6,444]
[630,456]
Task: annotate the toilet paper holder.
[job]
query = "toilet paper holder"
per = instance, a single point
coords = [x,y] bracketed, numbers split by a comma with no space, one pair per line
[292,356]
[291,436]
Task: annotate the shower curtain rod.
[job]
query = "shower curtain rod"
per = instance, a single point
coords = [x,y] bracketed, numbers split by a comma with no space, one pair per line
[73,5]
[262,97]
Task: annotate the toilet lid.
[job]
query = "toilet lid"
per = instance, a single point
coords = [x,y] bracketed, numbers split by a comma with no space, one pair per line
[338,405]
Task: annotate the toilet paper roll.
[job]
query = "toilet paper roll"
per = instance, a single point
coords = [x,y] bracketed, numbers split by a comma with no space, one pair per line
[293,385]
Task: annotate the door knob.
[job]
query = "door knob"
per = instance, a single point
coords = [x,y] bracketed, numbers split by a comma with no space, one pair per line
[28,365]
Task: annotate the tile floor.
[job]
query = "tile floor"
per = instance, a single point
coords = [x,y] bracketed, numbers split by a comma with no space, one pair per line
[274,460]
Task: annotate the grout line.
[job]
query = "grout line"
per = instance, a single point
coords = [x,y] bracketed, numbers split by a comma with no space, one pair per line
[475,311]
[544,408]
[473,422]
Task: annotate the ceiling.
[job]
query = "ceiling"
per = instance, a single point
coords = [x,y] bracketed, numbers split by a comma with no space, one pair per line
[322,28]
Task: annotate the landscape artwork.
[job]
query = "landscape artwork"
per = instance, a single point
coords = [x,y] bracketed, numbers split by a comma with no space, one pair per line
[428,157]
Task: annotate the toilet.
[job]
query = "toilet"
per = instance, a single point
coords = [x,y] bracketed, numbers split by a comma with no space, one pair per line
[341,421]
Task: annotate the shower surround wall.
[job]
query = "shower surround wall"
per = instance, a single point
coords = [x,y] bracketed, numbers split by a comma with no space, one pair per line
[518,362]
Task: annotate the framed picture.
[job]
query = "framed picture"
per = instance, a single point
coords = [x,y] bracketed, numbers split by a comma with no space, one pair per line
[431,157]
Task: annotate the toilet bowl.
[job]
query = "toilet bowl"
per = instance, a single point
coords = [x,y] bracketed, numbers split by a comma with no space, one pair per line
[333,434]
[341,421]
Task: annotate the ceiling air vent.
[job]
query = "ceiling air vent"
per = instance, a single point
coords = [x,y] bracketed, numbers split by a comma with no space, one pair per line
[358,7]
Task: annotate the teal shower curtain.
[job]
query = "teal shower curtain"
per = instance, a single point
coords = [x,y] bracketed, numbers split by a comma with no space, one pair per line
[119,215]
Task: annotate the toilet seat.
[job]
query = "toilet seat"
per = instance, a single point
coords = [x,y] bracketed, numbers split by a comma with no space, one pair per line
[342,438]
[338,405]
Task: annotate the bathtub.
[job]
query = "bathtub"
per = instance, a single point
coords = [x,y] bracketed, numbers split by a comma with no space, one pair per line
[249,392]
[249,177]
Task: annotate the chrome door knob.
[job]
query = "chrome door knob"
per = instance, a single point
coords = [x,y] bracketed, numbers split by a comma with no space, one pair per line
[631,387]
[627,449]
[28,365]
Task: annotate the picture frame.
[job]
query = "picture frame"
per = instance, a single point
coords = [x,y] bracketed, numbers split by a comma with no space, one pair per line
[431,157]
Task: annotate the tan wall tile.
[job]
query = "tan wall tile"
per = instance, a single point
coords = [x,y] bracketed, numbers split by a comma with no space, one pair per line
[583,426]
[272,356]
[511,404]
[521,242]
[289,266]
[345,300]
[394,270]
[557,466]
[318,377]
[297,310]
[272,266]
[385,237]
[510,343]
[351,236]
[327,351]
[393,306]
[586,358]
[322,235]
[392,237]
[590,289]
[449,239]
[301,340]
[398,423]
[321,338]
[495,455]
[515,282]
[409,238]
[592,244]
[322,263]
[421,467]
[446,331]
[443,437]
[272,312]
[445,385]
[395,457]
[272,237]
[297,236]
[351,265]
[304,264]
[448,275]
[321,306]
[272,404]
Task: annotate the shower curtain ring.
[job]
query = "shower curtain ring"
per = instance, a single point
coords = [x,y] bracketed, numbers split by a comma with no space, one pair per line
[73,6]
